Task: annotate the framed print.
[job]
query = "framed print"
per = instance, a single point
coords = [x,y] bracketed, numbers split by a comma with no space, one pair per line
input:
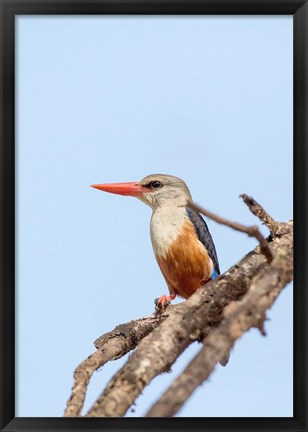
[197,109]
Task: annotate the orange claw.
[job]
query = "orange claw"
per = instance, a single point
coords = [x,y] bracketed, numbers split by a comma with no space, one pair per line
[164,300]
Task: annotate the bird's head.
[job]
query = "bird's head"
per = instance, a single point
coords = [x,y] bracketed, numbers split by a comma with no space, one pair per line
[156,190]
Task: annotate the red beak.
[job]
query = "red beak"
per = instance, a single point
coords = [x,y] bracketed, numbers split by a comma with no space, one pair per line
[130,189]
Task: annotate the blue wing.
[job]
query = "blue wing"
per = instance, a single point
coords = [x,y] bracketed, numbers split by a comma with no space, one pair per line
[204,237]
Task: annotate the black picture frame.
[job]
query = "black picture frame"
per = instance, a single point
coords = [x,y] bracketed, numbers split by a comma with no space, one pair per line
[12,8]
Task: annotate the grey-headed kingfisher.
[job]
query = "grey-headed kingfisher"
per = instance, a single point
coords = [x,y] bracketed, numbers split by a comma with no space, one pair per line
[182,243]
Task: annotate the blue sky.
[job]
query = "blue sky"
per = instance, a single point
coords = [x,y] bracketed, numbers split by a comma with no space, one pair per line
[107,99]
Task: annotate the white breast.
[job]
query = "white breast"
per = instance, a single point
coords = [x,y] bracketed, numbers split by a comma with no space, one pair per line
[166,225]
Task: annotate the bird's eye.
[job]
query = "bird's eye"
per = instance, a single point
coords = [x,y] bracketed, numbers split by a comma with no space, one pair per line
[155,184]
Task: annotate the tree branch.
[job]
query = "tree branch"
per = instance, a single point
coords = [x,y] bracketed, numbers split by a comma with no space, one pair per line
[161,338]
[258,211]
[252,231]
[239,317]
[111,346]
[189,321]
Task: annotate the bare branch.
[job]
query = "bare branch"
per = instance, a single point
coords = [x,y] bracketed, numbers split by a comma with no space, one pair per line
[187,322]
[276,228]
[252,231]
[111,346]
[239,317]
[258,211]
[182,324]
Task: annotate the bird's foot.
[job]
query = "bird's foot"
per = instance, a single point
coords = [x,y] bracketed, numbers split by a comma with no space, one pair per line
[163,301]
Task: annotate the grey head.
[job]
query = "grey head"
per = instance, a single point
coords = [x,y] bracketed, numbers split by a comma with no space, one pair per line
[164,190]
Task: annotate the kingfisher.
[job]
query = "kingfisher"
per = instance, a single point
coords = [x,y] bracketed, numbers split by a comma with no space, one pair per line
[182,244]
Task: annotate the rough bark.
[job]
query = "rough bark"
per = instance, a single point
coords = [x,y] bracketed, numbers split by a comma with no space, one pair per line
[239,317]
[161,338]
[192,320]
[110,346]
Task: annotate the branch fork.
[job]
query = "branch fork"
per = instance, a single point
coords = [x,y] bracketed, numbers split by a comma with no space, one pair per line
[217,314]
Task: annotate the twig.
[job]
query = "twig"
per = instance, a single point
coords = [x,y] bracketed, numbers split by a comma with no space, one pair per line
[276,228]
[252,231]
[239,317]
[258,210]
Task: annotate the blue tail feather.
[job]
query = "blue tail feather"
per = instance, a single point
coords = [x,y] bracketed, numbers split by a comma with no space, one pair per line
[214,274]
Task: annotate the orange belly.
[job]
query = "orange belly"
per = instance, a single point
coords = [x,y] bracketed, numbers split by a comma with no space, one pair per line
[187,265]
